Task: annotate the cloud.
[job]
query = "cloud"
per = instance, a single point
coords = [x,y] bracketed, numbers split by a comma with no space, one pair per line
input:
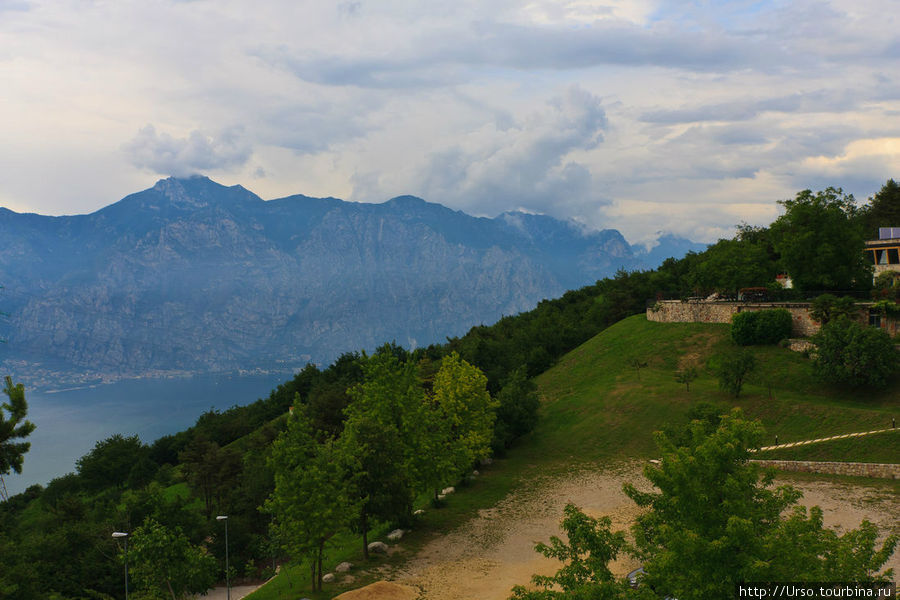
[525,163]
[166,155]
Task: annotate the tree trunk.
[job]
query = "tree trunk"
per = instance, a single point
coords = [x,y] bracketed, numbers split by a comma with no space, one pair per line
[312,571]
[319,561]
[171,591]
[365,532]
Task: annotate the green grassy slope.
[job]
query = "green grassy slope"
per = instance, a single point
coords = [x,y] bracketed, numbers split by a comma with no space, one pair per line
[596,408]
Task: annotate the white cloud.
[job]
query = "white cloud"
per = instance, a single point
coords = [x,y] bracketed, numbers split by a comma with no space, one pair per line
[195,153]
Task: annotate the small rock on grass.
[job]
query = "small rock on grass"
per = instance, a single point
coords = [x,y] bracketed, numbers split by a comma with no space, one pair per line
[395,535]
[343,567]
[327,577]
[378,547]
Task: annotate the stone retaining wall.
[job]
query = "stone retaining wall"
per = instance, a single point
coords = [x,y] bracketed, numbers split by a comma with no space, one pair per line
[880,470]
[703,311]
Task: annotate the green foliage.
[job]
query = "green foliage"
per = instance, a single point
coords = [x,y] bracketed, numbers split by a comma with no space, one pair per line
[883,209]
[855,355]
[885,286]
[462,399]
[733,369]
[827,308]
[162,563]
[715,521]
[821,242]
[586,557]
[211,471]
[111,461]
[729,265]
[517,410]
[13,427]
[310,502]
[686,376]
[760,326]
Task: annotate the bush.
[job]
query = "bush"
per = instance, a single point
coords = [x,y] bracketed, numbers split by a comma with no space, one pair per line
[761,327]
[855,355]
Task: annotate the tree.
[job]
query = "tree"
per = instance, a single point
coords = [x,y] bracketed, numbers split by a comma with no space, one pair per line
[517,409]
[310,502]
[591,546]
[461,417]
[162,560]
[111,461]
[821,242]
[883,209]
[686,376]
[379,476]
[637,364]
[853,354]
[827,307]
[715,521]
[13,427]
[733,369]
[211,471]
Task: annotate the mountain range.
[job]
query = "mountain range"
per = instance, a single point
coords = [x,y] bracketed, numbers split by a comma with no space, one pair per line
[191,276]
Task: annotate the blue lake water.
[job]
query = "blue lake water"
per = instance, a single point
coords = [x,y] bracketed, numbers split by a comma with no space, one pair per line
[70,422]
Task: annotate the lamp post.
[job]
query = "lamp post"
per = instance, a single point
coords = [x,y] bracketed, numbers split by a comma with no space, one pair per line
[119,534]
[227,580]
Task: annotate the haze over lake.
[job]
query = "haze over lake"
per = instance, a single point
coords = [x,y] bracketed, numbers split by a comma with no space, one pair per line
[69,422]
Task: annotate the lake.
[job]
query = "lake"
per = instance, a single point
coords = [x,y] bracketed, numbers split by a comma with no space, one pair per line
[70,422]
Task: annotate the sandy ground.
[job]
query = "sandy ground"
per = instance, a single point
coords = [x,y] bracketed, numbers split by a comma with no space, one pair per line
[491,553]
[237,592]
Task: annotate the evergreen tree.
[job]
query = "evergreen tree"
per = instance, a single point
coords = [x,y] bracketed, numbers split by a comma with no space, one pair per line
[13,427]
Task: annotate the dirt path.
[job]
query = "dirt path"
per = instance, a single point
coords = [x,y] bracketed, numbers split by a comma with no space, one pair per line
[493,552]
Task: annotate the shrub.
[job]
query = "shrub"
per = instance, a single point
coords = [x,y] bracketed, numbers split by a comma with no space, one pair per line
[760,327]
[773,326]
[855,355]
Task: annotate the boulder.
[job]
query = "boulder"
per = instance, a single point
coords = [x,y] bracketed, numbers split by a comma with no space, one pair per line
[441,496]
[419,513]
[378,547]
[448,490]
[343,567]
[328,578]
[475,473]
[395,535]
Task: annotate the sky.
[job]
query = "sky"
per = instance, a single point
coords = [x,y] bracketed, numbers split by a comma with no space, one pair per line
[646,116]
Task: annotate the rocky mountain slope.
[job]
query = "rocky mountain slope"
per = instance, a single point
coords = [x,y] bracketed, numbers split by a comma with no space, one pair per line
[191,276]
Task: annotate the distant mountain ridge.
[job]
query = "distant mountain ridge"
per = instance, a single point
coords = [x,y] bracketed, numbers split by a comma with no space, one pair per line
[191,276]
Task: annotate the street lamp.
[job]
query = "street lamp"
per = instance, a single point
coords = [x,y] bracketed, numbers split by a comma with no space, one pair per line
[227,581]
[119,534]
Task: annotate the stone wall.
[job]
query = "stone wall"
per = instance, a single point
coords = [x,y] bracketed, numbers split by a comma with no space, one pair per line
[703,311]
[880,470]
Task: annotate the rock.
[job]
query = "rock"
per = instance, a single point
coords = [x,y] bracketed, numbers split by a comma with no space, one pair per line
[487,461]
[382,590]
[327,577]
[475,473]
[343,567]
[419,513]
[395,535]
[441,496]
[378,547]
[448,490]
